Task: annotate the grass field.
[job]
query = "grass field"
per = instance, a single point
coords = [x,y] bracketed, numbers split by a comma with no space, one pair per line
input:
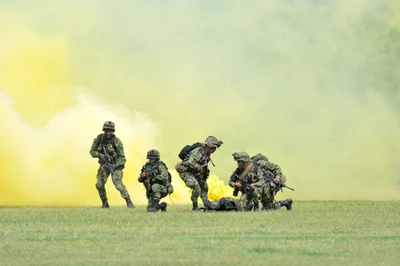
[314,233]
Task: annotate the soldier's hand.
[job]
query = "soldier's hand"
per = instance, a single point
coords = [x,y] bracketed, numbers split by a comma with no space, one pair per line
[178,167]
[201,171]
[238,185]
[144,174]
[276,181]
[102,157]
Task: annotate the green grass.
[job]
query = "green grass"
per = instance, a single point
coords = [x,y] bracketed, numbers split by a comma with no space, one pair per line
[314,233]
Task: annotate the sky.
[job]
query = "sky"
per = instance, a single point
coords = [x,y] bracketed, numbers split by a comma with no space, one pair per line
[313,85]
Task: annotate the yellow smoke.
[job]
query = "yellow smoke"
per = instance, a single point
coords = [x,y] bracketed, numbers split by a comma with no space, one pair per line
[297,82]
[34,70]
[50,125]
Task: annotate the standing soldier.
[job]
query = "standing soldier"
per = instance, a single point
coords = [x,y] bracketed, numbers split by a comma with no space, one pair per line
[273,177]
[248,179]
[110,151]
[193,169]
[157,181]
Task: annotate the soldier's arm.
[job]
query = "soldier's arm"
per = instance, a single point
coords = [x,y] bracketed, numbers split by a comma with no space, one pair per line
[258,178]
[121,160]
[277,171]
[163,174]
[194,159]
[140,177]
[270,166]
[93,149]
[232,179]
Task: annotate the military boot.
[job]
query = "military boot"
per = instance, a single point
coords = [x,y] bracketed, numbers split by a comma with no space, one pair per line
[248,207]
[287,203]
[256,206]
[129,203]
[163,206]
[105,204]
[154,208]
[195,206]
[265,206]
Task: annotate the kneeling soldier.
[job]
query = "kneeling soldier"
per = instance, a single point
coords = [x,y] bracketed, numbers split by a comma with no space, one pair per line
[157,181]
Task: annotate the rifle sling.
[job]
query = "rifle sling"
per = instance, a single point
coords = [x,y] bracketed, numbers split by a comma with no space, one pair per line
[247,170]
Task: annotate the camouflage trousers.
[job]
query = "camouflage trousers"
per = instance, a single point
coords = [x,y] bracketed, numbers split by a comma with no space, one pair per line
[268,198]
[199,186]
[248,198]
[156,193]
[102,176]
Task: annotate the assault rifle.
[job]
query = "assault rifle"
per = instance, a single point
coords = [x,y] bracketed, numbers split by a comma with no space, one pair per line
[149,170]
[206,173]
[110,166]
[278,186]
[246,186]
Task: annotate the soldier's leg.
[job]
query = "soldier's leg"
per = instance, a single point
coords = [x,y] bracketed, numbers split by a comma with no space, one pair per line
[117,180]
[159,191]
[256,204]
[191,182]
[149,198]
[244,202]
[204,192]
[102,176]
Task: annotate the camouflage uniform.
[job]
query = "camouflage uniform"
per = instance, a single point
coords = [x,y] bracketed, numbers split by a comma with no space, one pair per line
[270,172]
[189,169]
[223,204]
[254,177]
[115,150]
[156,179]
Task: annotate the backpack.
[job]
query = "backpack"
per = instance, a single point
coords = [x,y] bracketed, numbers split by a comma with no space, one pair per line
[187,149]
[258,157]
[226,204]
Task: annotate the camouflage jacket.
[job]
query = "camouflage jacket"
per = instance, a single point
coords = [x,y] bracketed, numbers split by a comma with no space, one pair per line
[196,159]
[254,176]
[271,169]
[224,204]
[157,173]
[114,148]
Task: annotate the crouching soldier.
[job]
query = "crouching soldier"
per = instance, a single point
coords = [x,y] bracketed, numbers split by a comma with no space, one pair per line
[274,181]
[247,178]
[156,180]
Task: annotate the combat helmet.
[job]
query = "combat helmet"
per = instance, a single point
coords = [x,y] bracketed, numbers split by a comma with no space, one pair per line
[108,125]
[241,156]
[153,154]
[213,142]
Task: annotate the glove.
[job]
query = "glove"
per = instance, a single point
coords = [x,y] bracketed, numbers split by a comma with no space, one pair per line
[102,157]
